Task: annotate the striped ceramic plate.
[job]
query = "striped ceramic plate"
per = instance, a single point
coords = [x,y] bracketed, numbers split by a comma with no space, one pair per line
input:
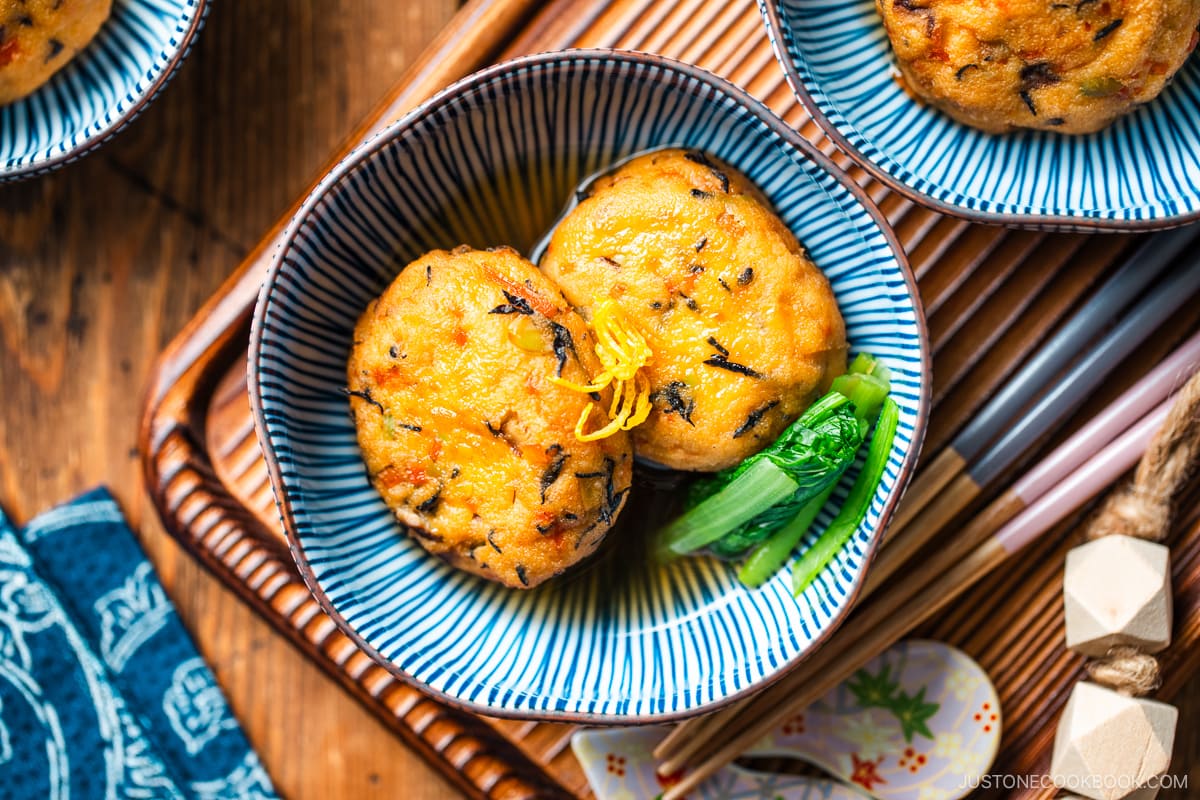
[1143,172]
[489,161]
[102,89]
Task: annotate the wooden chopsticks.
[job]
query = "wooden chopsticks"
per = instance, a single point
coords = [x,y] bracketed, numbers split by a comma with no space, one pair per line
[1008,426]
[1084,465]
[1140,270]
[1131,406]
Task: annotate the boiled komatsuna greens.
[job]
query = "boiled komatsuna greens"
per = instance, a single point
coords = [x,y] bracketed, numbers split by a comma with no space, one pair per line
[771,498]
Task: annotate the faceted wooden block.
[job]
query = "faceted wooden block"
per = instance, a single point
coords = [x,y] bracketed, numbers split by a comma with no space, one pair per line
[1108,746]
[1117,591]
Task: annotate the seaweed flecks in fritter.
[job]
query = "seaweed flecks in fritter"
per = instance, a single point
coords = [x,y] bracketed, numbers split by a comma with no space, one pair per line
[721,362]
[700,158]
[515,305]
[676,399]
[554,469]
[430,504]
[563,344]
[1038,75]
[1107,29]
[364,394]
[712,340]
[1027,99]
[753,418]
[612,496]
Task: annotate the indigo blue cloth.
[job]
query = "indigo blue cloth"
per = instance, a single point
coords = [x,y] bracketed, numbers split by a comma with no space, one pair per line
[102,693]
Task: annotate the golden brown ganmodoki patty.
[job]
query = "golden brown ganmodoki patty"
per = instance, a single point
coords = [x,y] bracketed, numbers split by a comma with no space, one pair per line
[745,330]
[38,37]
[1072,67]
[463,433]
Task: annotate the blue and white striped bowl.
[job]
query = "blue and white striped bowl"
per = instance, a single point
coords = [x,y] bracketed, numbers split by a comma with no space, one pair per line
[492,160]
[1141,173]
[102,89]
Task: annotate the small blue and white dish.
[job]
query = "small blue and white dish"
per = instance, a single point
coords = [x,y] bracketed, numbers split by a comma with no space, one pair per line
[492,160]
[102,89]
[1141,173]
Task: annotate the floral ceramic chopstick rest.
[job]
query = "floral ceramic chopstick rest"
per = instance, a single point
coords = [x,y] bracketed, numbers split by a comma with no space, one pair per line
[920,722]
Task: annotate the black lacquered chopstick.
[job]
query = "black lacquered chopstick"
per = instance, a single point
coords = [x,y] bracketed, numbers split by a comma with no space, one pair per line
[1067,393]
[1142,268]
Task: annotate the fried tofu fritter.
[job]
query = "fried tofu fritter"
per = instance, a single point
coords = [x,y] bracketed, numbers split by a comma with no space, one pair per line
[38,38]
[463,433]
[1069,67]
[744,329]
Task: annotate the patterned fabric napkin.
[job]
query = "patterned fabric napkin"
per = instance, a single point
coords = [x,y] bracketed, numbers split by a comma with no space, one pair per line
[102,693]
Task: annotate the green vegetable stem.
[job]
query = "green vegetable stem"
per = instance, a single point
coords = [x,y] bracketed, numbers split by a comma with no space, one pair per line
[867,385]
[766,559]
[740,507]
[801,463]
[817,557]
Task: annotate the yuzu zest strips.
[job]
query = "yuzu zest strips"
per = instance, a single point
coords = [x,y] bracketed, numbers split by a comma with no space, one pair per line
[622,352]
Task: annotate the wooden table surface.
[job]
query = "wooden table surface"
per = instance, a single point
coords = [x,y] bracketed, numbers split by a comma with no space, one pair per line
[103,262]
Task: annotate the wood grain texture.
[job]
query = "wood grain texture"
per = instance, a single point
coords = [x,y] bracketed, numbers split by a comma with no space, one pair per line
[102,264]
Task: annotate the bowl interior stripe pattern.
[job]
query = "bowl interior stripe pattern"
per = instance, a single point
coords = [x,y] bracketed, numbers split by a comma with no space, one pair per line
[1145,168]
[492,161]
[101,89]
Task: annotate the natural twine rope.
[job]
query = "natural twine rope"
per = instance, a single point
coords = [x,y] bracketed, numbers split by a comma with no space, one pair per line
[1143,509]
[1127,670]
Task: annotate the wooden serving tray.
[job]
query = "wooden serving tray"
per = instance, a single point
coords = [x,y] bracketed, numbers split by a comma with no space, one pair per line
[991,295]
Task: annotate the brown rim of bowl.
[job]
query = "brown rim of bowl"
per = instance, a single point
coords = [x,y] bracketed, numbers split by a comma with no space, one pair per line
[1049,222]
[360,156]
[186,41]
